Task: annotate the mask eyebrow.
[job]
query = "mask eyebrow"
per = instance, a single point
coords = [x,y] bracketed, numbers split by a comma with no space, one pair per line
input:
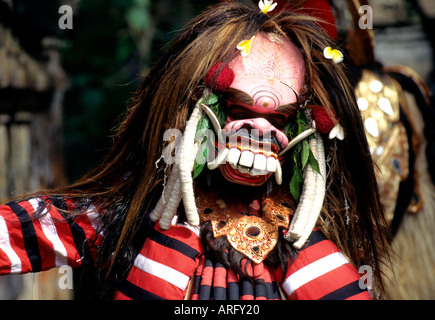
[290,108]
[239,96]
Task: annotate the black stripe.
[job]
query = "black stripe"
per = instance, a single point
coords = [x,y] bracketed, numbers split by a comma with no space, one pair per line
[204,292]
[269,290]
[208,263]
[315,237]
[136,293]
[174,244]
[197,284]
[247,288]
[344,292]
[79,236]
[272,291]
[233,291]
[260,288]
[29,236]
[219,293]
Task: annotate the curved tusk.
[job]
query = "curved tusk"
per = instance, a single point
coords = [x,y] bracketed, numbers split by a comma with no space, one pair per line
[278,172]
[214,121]
[302,212]
[319,196]
[218,160]
[297,139]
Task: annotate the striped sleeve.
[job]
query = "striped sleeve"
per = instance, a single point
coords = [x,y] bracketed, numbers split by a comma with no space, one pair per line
[322,272]
[36,236]
[164,265]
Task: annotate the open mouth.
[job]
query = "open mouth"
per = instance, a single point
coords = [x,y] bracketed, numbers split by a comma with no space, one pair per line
[250,161]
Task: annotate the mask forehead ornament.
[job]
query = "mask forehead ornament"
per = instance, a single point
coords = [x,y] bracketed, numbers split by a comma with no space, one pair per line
[272,72]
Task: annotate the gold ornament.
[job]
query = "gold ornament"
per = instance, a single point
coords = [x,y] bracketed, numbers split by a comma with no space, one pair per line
[253,236]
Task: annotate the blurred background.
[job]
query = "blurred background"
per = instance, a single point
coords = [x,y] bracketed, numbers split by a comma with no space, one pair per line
[62,90]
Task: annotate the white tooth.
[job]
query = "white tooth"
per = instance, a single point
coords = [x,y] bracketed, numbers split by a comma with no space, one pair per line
[242,169]
[278,172]
[258,172]
[271,164]
[233,156]
[246,159]
[234,166]
[260,162]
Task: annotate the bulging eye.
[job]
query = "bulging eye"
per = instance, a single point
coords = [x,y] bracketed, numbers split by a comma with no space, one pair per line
[278,121]
[239,114]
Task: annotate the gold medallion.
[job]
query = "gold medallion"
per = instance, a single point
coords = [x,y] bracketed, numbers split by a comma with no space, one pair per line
[253,236]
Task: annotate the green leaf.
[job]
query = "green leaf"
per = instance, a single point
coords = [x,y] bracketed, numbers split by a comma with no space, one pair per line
[305,153]
[302,118]
[296,157]
[295,183]
[213,102]
[301,126]
[211,99]
[313,162]
[290,129]
[197,169]
[220,113]
[203,123]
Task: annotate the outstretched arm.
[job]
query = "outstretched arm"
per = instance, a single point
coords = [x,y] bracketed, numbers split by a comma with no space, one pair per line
[39,234]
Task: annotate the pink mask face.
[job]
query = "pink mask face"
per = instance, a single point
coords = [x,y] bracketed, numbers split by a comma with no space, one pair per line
[267,81]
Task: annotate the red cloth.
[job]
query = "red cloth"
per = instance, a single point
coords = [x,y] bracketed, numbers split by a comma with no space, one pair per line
[320,271]
[168,260]
[32,244]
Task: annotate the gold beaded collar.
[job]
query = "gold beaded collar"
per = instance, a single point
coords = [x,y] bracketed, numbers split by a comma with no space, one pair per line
[252,236]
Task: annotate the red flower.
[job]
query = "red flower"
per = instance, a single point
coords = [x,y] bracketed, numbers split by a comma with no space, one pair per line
[324,123]
[219,82]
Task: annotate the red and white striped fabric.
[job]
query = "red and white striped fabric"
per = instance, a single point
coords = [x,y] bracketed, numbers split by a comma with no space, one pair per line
[164,266]
[31,244]
[321,271]
[169,258]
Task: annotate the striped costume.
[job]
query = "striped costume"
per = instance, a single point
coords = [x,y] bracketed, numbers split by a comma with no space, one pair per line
[170,264]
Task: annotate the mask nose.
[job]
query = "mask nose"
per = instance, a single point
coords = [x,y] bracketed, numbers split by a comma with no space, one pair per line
[260,127]
[259,130]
